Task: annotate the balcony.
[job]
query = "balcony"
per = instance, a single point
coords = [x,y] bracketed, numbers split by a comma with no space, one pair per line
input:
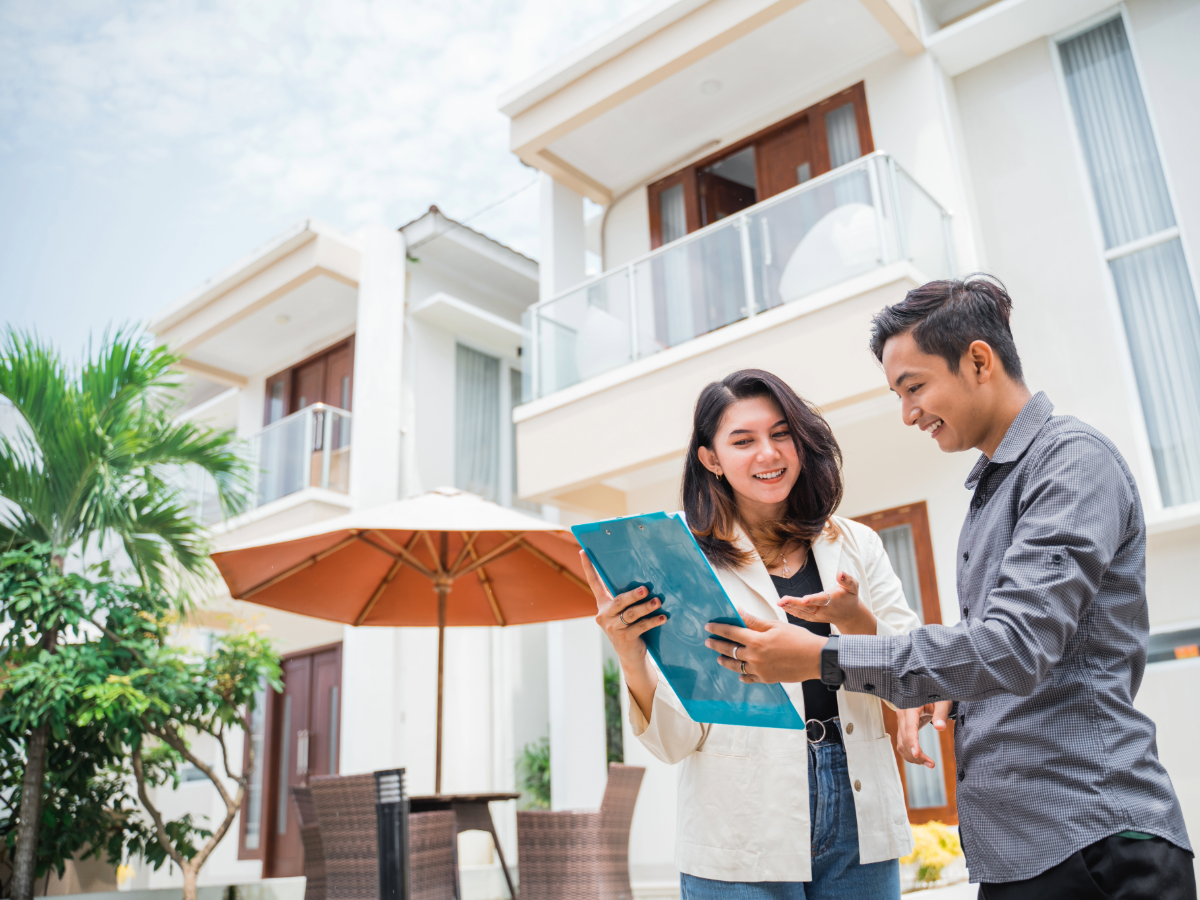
[308,449]
[861,217]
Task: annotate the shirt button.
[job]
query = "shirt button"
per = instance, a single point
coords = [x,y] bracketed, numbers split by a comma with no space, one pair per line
[858,785]
[962,773]
[966,556]
[868,687]
[935,696]
[850,728]
[1057,557]
[966,611]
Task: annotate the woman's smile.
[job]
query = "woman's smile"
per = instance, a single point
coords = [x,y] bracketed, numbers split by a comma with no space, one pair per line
[772,477]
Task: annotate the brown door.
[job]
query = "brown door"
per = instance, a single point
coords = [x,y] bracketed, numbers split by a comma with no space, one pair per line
[784,160]
[304,740]
[308,385]
[929,793]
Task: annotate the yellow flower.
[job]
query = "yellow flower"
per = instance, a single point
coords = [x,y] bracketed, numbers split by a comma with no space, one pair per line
[935,847]
[125,873]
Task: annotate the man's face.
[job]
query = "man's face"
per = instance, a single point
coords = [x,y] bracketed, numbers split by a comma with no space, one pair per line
[945,404]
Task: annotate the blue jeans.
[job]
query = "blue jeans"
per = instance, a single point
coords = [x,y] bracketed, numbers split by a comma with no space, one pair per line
[836,872]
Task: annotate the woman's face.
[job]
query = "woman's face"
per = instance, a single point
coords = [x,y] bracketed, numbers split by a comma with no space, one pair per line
[753,448]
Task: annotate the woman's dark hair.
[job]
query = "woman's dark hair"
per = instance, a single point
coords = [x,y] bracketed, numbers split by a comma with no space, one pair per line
[709,502]
[945,317]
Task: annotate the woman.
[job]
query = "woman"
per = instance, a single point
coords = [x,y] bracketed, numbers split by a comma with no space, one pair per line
[760,484]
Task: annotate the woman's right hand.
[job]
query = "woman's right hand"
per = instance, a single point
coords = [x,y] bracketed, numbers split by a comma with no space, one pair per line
[625,633]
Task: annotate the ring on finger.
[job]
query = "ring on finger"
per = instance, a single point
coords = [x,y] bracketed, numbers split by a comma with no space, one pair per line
[735,653]
[622,618]
[743,662]
[828,598]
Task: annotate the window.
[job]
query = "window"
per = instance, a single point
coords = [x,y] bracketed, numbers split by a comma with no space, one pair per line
[1142,245]
[327,377]
[830,134]
[904,531]
[477,423]
[252,806]
[1180,644]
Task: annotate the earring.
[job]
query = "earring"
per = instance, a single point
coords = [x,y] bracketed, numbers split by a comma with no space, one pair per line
[718,476]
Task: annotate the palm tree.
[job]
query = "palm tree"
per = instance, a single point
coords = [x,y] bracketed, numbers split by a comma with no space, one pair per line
[93,462]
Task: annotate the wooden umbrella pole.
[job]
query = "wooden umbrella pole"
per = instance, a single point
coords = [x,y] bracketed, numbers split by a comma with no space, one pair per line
[442,588]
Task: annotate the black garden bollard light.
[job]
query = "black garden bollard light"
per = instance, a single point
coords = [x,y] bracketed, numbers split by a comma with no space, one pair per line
[391,810]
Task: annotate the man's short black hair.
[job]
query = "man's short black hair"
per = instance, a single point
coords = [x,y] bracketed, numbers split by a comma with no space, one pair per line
[945,317]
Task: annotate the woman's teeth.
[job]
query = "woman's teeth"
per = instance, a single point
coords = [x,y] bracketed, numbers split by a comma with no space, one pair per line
[934,426]
[767,476]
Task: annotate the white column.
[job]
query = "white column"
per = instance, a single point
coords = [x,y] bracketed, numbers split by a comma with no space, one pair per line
[578,756]
[560,218]
[371,701]
[574,670]
[378,357]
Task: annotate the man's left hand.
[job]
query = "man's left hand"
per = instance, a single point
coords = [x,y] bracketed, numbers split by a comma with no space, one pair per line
[767,652]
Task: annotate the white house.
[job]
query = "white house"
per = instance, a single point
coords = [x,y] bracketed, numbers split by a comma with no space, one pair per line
[360,369]
[772,172]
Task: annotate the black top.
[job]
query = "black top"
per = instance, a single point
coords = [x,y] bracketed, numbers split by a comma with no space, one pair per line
[819,701]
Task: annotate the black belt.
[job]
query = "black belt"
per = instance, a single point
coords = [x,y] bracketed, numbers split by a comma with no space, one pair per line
[828,731]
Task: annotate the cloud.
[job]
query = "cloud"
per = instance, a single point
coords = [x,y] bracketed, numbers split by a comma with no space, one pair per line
[372,110]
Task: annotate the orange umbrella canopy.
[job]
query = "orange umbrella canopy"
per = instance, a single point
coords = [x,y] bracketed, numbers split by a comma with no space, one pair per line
[379,566]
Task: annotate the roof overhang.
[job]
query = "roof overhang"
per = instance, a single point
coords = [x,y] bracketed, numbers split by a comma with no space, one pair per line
[233,324]
[665,39]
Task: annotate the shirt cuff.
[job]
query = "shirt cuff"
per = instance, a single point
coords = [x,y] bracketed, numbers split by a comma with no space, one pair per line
[866,660]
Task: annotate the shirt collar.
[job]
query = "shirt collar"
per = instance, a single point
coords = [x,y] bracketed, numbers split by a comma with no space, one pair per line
[1019,436]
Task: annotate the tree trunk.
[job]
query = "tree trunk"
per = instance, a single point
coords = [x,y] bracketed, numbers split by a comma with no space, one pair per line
[189,881]
[25,859]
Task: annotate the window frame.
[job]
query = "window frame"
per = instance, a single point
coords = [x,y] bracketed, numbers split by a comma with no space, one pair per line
[689,175]
[1151,492]
[916,516]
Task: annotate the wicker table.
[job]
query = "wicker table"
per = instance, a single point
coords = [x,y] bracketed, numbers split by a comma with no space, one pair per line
[472,814]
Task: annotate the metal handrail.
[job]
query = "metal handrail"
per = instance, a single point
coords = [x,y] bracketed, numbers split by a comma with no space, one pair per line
[734,221]
[308,410]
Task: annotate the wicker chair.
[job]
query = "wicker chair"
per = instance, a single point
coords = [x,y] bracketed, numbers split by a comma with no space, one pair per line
[572,855]
[310,837]
[345,806]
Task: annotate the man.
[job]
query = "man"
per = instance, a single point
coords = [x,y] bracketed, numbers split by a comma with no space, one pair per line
[1060,790]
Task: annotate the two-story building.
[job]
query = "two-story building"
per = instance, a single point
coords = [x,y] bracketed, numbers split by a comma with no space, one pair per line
[361,369]
[771,173]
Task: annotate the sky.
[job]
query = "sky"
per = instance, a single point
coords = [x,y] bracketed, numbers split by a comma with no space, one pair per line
[146,146]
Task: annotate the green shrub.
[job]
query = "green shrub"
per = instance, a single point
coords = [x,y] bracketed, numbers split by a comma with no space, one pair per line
[533,775]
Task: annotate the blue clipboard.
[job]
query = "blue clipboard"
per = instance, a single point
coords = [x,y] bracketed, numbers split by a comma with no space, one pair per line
[659,552]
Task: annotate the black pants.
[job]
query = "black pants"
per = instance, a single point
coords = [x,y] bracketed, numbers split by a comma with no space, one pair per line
[1115,868]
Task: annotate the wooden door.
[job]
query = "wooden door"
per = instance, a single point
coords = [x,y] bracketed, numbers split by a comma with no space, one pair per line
[304,738]
[308,384]
[929,794]
[784,159]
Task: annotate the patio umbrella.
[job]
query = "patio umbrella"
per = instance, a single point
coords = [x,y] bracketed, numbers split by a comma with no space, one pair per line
[486,565]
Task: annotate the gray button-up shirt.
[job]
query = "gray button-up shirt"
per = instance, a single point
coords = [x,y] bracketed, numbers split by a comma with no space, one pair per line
[1051,754]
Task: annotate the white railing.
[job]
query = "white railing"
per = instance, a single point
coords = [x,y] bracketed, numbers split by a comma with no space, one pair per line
[859,217]
[309,448]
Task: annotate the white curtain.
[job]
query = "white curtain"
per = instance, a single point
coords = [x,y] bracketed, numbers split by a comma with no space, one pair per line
[676,284]
[841,133]
[477,423]
[1154,287]
[926,787]
[898,543]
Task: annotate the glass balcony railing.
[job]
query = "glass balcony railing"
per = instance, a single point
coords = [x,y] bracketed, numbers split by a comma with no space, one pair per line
[310,448]
[860,217]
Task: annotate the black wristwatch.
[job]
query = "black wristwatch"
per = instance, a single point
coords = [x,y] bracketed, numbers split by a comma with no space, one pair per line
[832,675]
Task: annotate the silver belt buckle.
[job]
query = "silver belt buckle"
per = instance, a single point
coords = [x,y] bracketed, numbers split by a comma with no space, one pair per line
[823,731]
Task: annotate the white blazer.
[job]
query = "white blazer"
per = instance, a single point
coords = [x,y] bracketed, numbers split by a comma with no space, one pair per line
[743,792]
